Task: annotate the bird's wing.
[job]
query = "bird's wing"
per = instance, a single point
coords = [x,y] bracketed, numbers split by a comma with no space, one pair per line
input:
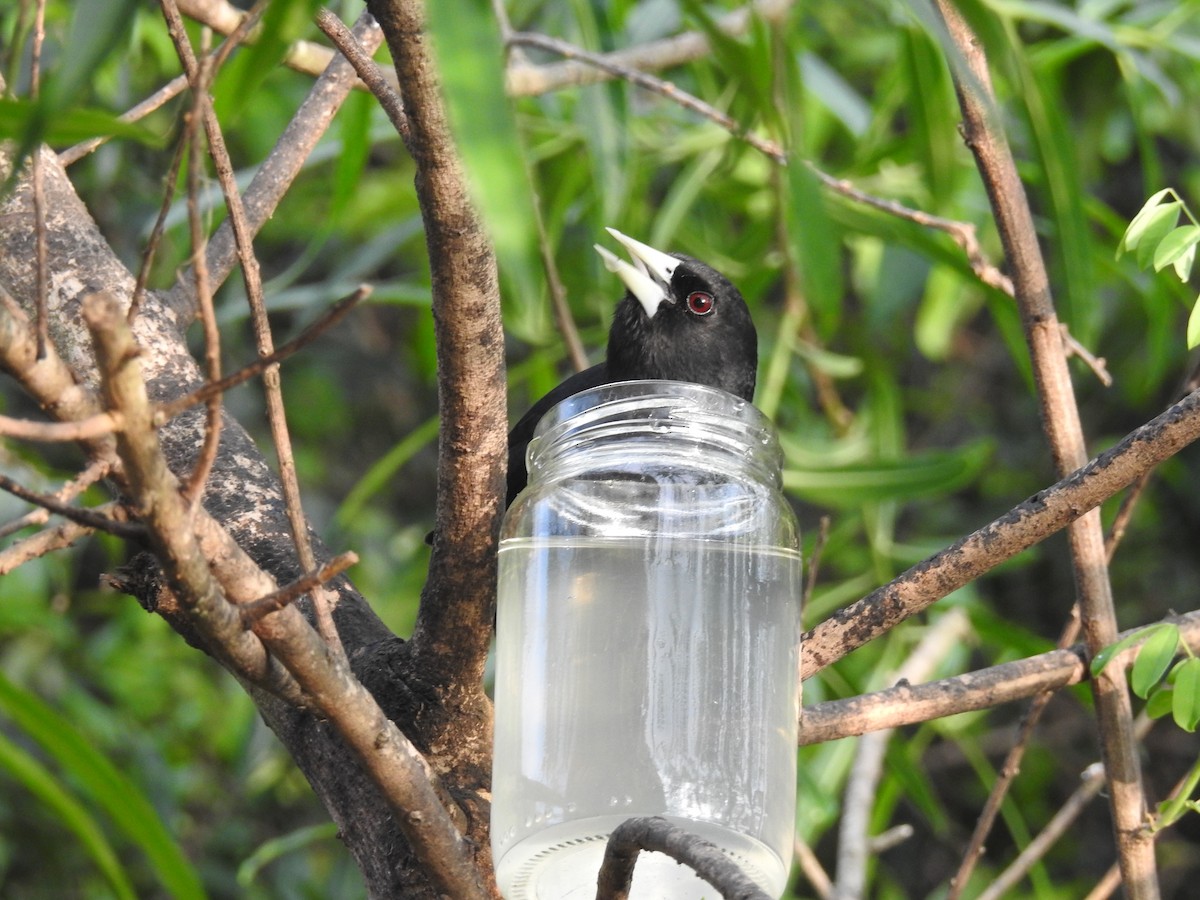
[518,438]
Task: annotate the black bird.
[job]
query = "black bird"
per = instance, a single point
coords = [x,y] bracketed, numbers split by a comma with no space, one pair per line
[680,319]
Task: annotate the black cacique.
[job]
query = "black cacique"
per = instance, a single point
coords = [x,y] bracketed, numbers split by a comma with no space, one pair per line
[680,320]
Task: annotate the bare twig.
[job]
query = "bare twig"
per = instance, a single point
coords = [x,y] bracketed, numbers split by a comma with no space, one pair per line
[277,600]
[368,71]
[95,470]
[818,879]
[907,704]
[39,193]
[655,833]
[49,540]
[1064,431]
[814,563]
[99,521]
[526,79]
[251,276]
[853,832]
[93,427]
[1097,364]
[1033,520]
[1092,782]
[328,319]
[275,175]
[200,76]
[1008,772]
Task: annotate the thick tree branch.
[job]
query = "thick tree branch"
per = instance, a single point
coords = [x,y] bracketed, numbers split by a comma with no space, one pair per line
[459,596]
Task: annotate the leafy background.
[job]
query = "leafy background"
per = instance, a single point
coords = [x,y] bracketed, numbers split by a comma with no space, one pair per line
[899,383]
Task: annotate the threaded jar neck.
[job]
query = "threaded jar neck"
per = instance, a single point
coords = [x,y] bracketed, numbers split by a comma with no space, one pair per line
[638,419]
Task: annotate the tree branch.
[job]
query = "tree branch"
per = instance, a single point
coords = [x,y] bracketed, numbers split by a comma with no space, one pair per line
[908,704]
[1020,528]
[1060,420]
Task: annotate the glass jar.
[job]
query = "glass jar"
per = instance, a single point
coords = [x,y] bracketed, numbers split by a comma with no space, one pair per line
[647,642]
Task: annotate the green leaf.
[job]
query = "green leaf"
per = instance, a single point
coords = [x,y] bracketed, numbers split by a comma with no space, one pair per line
[851,485]
[1160,702]
[1183,265]
[1186,707]
[1106,654]
[1193,325]
[1175,246]
[1154,659]
[1158,225]
[1133,234]
[99,778]
[40,782]
[26,119]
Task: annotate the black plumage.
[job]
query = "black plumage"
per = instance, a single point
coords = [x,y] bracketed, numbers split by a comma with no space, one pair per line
[680,319]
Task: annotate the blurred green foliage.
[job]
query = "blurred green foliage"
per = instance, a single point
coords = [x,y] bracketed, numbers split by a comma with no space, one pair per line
[900,384]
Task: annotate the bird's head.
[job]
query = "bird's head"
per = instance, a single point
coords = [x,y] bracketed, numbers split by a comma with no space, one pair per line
[681,320]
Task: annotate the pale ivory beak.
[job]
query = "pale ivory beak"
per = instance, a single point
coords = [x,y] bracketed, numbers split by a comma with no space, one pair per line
[649,281]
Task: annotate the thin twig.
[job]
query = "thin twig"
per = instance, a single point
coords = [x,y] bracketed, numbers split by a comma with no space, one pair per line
[909,704]
[1064,432]
[200,76]
[93,427]
[1020,528]
[962,233]
[252,279]
[1092,782]
[275,175]
[818,879]
[50,540]
[39,191]
[277,600]
[88,517]
[367,70]
[814,562]
[328,319]
[1008,771]
[853,833]
[1097,364]
[160,226]
[95,470]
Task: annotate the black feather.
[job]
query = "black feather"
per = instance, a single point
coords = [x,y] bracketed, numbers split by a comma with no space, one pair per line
[719,349]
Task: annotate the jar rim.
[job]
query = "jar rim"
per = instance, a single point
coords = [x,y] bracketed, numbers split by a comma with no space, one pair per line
[656,404]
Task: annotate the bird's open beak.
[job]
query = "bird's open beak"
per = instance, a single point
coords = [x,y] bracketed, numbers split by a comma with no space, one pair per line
[650,280]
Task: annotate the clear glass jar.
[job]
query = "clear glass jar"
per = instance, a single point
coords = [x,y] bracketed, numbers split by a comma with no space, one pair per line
[647,642]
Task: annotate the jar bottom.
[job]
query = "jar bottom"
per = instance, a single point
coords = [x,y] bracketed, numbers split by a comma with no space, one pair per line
[562,862]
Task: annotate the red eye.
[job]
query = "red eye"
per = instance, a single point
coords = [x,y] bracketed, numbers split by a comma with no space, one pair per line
[700,303]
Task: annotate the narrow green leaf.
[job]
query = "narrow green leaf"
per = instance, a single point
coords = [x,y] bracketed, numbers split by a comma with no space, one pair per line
[1186,708]
[22,119]
[1154,659]
[281,846]
[40,782]
[1133,234]
[1158,225]
[1173,247]
[1193,325]
[99,778]
[932,473]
